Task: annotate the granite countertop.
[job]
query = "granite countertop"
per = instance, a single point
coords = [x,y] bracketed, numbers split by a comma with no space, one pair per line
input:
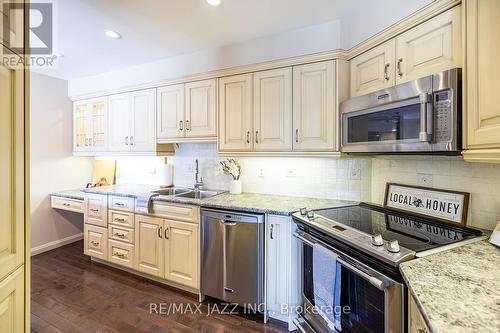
[248,202]
[458,290]
[70,194]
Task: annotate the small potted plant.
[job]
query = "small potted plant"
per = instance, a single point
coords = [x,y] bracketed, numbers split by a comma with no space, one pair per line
[233,168]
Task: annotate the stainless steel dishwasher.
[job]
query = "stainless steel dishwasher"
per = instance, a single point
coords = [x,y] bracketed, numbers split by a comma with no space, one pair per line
[232,252]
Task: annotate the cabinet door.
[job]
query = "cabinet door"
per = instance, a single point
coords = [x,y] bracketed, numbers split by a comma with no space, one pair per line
[13,21]
[170,112]
[373,70]
[182,253]
[483,71]
[431,47]
[416,322]
[96,210]
[11,169]
[201,109]
[119,120]
[81,124]
[98,124]
[235,112]
[12,303]
[95,241]
[273,110]
[314,111]
[149,235]
[143,129]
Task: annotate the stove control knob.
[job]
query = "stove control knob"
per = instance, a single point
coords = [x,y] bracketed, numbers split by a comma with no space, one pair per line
[310,214]
[303,211]
[393,246]
[377,240]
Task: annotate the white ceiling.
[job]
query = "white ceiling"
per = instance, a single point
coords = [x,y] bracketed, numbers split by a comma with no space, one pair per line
[159,29]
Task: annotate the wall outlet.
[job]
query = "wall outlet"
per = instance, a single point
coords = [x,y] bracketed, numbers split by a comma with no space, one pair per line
[355,174]
[261,173]
[425,179]
[291,173]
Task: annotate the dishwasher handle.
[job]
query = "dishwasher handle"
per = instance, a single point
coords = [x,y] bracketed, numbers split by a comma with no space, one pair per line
[232,217]
[228,223]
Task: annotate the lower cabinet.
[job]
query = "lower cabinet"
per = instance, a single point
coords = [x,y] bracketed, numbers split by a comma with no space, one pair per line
[168,249]
[416,323]
[121,253]
[12,302]
[282,269]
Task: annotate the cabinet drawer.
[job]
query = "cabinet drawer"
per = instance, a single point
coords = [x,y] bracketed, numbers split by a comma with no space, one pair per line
[121,203]
[121,253]
[122,219]
[96,211]
[121,234]
[95,241]
[71,205]
[177,212]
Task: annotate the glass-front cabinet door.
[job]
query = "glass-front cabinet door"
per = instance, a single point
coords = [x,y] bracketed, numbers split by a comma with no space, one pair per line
[89,118]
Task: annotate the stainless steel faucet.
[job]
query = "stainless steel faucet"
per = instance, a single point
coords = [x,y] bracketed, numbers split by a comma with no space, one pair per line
[198,184]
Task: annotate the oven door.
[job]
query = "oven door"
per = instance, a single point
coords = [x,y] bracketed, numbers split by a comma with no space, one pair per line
[369,300]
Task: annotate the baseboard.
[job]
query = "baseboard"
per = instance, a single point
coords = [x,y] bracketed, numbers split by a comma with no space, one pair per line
[55,244]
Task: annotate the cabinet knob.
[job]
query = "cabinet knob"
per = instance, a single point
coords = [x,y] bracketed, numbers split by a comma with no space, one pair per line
[256,136]
[386,72]
[126,141]
[400,71]
[248,136]
[271,232]
[188,125]
[181,125]
[166,233]
[297,135]
[131,140]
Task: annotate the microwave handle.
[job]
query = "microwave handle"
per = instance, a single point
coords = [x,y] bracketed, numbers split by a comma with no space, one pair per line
[425,99]
[379,284]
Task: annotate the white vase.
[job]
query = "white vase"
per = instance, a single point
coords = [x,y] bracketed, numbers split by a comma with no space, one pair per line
[235,187]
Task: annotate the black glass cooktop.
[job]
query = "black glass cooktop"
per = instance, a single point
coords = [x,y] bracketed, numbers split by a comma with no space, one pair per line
[413,233]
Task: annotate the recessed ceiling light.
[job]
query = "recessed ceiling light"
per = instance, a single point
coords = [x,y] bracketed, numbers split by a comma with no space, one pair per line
[214,2]
[113,34]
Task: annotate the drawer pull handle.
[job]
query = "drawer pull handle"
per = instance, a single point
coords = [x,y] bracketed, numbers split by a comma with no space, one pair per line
[120,255]
[120,235]
[119,204]
[117,219]
[159,232]
[66,204]
[421,330]
[166,233]
[94,210]
[94,243]
[386,72]
[400,71]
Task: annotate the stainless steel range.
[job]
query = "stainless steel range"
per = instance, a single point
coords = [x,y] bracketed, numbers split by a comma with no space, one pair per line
[369,242]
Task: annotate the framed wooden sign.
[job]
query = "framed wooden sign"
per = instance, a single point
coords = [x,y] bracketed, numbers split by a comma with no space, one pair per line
[444,205]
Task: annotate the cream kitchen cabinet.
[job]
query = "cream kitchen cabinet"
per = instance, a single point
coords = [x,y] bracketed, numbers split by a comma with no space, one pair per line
[236,113]
[96,209]
[314,107]
[373,70]
[90,125]
[187,112]
[273,110]
[168,249]
[13,20]
[431,47]
[95,241]
[131,121]
[416,322]
[12,298]
[482,114]
[282,269]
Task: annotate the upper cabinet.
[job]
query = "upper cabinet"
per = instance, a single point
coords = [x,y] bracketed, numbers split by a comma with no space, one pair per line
[482,112]
[431,47]
[269,112]
[373,70]
[314,110]
[12,19]
[132,122]
[90,125]
[235,113]
[187,112]
[273,110]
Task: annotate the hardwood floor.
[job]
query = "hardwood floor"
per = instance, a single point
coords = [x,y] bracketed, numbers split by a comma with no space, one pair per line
[71,294]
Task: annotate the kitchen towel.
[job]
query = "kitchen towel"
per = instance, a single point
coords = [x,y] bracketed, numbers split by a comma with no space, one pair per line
[326,282]
[143,201]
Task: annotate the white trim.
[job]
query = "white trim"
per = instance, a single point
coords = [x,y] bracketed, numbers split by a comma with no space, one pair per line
[55,244]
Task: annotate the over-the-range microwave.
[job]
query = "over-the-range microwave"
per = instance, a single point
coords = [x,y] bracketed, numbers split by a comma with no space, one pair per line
[421,116]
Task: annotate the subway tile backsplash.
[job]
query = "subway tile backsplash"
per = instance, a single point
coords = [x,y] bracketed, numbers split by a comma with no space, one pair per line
[359,179]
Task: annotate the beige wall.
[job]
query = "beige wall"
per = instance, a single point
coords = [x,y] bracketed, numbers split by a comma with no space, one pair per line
[53,167]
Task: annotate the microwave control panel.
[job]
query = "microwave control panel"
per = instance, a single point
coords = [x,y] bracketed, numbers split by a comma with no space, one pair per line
[442,115]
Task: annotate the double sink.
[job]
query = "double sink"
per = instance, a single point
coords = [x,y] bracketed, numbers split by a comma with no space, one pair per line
[181,192]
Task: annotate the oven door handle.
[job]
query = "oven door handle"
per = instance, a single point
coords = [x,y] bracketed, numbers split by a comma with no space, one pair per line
[424,135]
[376,282]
